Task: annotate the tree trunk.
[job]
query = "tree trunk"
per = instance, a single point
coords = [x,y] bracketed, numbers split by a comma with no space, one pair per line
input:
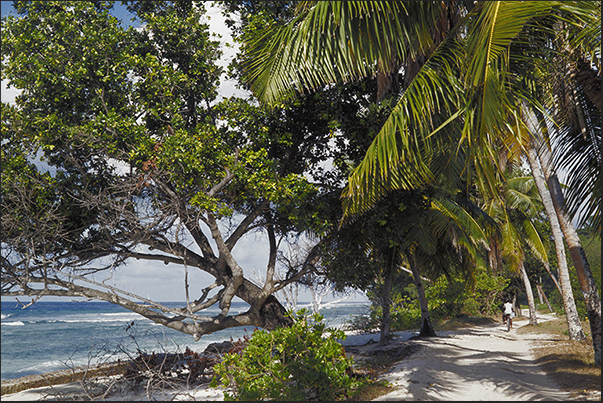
[386,297]
[426,326]
[517,306]
[567,295]
[539,291]
[529,294]
[271,314]
[548,270]
[583,272]
[543,295]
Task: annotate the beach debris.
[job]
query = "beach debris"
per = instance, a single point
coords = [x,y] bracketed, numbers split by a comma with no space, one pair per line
[192,367]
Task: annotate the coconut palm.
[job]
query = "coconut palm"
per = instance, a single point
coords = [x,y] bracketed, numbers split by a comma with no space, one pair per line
[521,205]
[445,232]
[573,89]
[432,231]
[456,64]
[532,155]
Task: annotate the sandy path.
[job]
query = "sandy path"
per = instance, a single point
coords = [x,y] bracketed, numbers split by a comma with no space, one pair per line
[481,363]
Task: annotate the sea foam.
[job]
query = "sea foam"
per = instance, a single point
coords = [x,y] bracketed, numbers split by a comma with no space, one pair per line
[16,323]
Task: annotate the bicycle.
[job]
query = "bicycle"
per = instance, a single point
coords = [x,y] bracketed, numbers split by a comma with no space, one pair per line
[507,319]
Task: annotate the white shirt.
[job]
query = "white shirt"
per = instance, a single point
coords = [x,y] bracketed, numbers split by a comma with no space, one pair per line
[508,308]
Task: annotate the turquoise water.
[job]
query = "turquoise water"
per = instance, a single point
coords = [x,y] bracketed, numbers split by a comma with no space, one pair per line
[51,336]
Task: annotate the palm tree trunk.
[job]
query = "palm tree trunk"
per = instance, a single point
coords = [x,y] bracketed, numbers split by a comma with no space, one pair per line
[538,292]
[583,272]
[529,294]
[543,296]
[386,297]
[567,295]
[426,326]
[547,267]
[517,306]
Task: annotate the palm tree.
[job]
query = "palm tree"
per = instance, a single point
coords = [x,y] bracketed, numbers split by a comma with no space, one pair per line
[446,231]
[521,205]
[573,321]
[432,231]
[573,89]
[433,43]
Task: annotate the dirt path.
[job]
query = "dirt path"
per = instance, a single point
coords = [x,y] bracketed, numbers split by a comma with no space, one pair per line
[481,363]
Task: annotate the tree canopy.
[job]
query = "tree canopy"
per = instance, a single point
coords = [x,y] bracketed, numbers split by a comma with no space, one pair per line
[119,148]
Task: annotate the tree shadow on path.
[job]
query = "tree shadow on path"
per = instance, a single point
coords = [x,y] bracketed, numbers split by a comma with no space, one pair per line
[480,363]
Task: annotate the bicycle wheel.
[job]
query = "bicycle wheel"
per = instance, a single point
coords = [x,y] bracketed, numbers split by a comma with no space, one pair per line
[508,324]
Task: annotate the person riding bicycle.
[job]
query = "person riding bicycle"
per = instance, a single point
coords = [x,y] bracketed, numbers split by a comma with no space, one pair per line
[508,313]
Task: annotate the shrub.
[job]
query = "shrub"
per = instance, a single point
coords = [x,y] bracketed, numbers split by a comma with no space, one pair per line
[301,362]
[487,295]
[445,299]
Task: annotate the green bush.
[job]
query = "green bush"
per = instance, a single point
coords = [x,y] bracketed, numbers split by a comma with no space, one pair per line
[487,294]
[301,362]
[445,299]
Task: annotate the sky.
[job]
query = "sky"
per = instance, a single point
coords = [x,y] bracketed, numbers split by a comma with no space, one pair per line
[155,280]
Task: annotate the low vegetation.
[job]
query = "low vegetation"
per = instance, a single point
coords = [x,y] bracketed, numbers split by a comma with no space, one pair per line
[569,363]
[301,362]
[448,301]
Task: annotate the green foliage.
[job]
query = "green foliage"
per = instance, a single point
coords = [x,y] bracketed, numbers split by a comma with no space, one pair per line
[113,109]
[486,295]
[445,299]
[301,362]
[591,242]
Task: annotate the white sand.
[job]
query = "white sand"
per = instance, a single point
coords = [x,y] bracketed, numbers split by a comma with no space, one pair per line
[65,391]
[480,363]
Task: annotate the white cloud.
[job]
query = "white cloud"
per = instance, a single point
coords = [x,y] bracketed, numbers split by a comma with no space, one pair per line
[217,25]
[9,94]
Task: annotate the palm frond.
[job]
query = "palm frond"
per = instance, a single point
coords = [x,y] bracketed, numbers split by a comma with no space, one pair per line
[495,26]
[462,219]
[398,156]
[534,241]
[585,18]
[512,251]
[516,199]
[523,184]
[337,41]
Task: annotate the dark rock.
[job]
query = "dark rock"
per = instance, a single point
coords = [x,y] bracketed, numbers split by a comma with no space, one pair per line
[218,348]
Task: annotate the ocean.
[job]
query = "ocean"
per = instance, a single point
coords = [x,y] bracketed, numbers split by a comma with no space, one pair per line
[51,336]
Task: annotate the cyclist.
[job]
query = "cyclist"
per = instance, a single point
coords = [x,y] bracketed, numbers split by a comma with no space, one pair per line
[508,313]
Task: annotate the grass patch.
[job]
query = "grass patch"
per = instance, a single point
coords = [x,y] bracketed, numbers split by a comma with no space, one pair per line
[372,391]
[375,363]
[569,363]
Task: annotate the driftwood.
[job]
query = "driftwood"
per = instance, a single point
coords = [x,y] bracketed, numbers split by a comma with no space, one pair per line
[187,365]
[62,377]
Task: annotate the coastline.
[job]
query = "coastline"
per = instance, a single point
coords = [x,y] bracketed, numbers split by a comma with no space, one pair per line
[64,376]
[51,336]
[75,382]
[69,383]
[479,362]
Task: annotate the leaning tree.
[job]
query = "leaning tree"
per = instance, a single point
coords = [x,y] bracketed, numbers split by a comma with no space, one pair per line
[118,149]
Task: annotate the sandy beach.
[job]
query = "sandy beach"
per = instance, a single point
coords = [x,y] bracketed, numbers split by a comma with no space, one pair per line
[478,363]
